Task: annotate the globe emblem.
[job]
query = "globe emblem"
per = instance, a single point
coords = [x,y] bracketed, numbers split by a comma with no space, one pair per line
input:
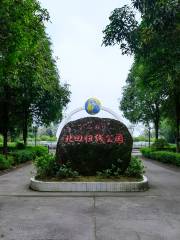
[93,106]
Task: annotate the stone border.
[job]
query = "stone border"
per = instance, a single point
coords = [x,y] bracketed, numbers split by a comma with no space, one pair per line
[89,186]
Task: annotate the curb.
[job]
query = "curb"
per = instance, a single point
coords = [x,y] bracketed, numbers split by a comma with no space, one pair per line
[89,186]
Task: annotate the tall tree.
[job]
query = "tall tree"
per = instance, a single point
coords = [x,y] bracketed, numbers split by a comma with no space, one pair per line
[28,73]
[155,39]
[140,103]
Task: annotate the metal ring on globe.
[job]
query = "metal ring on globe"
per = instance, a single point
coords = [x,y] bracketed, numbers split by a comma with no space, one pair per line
[92,106]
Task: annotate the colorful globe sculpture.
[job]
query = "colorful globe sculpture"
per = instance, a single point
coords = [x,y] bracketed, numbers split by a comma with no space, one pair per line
[92,106]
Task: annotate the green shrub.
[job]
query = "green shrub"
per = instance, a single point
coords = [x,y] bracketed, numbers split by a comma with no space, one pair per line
[135,168]
[114,171]
[162,156]
[20,145]
[22,156]
[45,166]
[28,154]
[47,138]
[160,144]
[5,163]
[65,171]
[146,152]
[38,150]
[11,146]
[1,138]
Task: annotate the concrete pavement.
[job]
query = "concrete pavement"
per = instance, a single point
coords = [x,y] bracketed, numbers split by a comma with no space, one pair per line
[151,215]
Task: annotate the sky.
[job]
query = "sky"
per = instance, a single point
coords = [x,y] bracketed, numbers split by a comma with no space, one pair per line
[91,70]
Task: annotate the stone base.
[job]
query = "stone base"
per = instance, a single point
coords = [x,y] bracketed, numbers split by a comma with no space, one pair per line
[89,186]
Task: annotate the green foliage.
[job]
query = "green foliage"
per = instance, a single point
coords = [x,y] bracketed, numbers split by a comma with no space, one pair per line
[28,154]
[66,171]
[16,155]
[160,144]
[162,156]
[38,150]
[47,138]
[121,26]
[11,146]
[45,166]
[140,139]
[114,171]
[140,102]
[153,86]
[29,80]
[146,152]
[167,130]
[22,156]
[135,168]
[1,138]
[5,163]
[20,145]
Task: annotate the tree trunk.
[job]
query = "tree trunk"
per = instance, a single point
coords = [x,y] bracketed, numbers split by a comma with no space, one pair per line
[177,107]
[149,135]
[156,126]
[5,140]
[177,137]
[25,134]
[156,121]
[177,126]
[5,120]
[25,127]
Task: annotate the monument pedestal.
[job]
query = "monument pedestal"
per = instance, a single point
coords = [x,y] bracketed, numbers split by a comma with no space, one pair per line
[89,186]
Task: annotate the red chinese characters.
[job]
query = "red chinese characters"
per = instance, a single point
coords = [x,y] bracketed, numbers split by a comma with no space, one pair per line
[109,139]
[119,138]
[88,138]
[78,138]
[69,139]
[98,138]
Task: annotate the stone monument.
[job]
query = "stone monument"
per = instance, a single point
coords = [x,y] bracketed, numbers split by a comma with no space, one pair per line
[93,144]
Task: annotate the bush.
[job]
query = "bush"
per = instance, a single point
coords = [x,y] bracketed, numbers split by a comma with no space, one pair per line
[45,166]
[114,171]
[160,144]
[38,150]
[162,156]
[28,154]
[146,152]
[65,171]
[5,163]
[11,146]
[135,168]
[22,156]
[47,138]
[20,145]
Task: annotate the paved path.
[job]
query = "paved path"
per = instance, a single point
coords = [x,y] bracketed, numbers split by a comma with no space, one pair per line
[152,215]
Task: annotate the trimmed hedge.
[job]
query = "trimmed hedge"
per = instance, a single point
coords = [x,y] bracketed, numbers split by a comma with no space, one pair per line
[17,156]
[28,154]
[5,163]
[162,156]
